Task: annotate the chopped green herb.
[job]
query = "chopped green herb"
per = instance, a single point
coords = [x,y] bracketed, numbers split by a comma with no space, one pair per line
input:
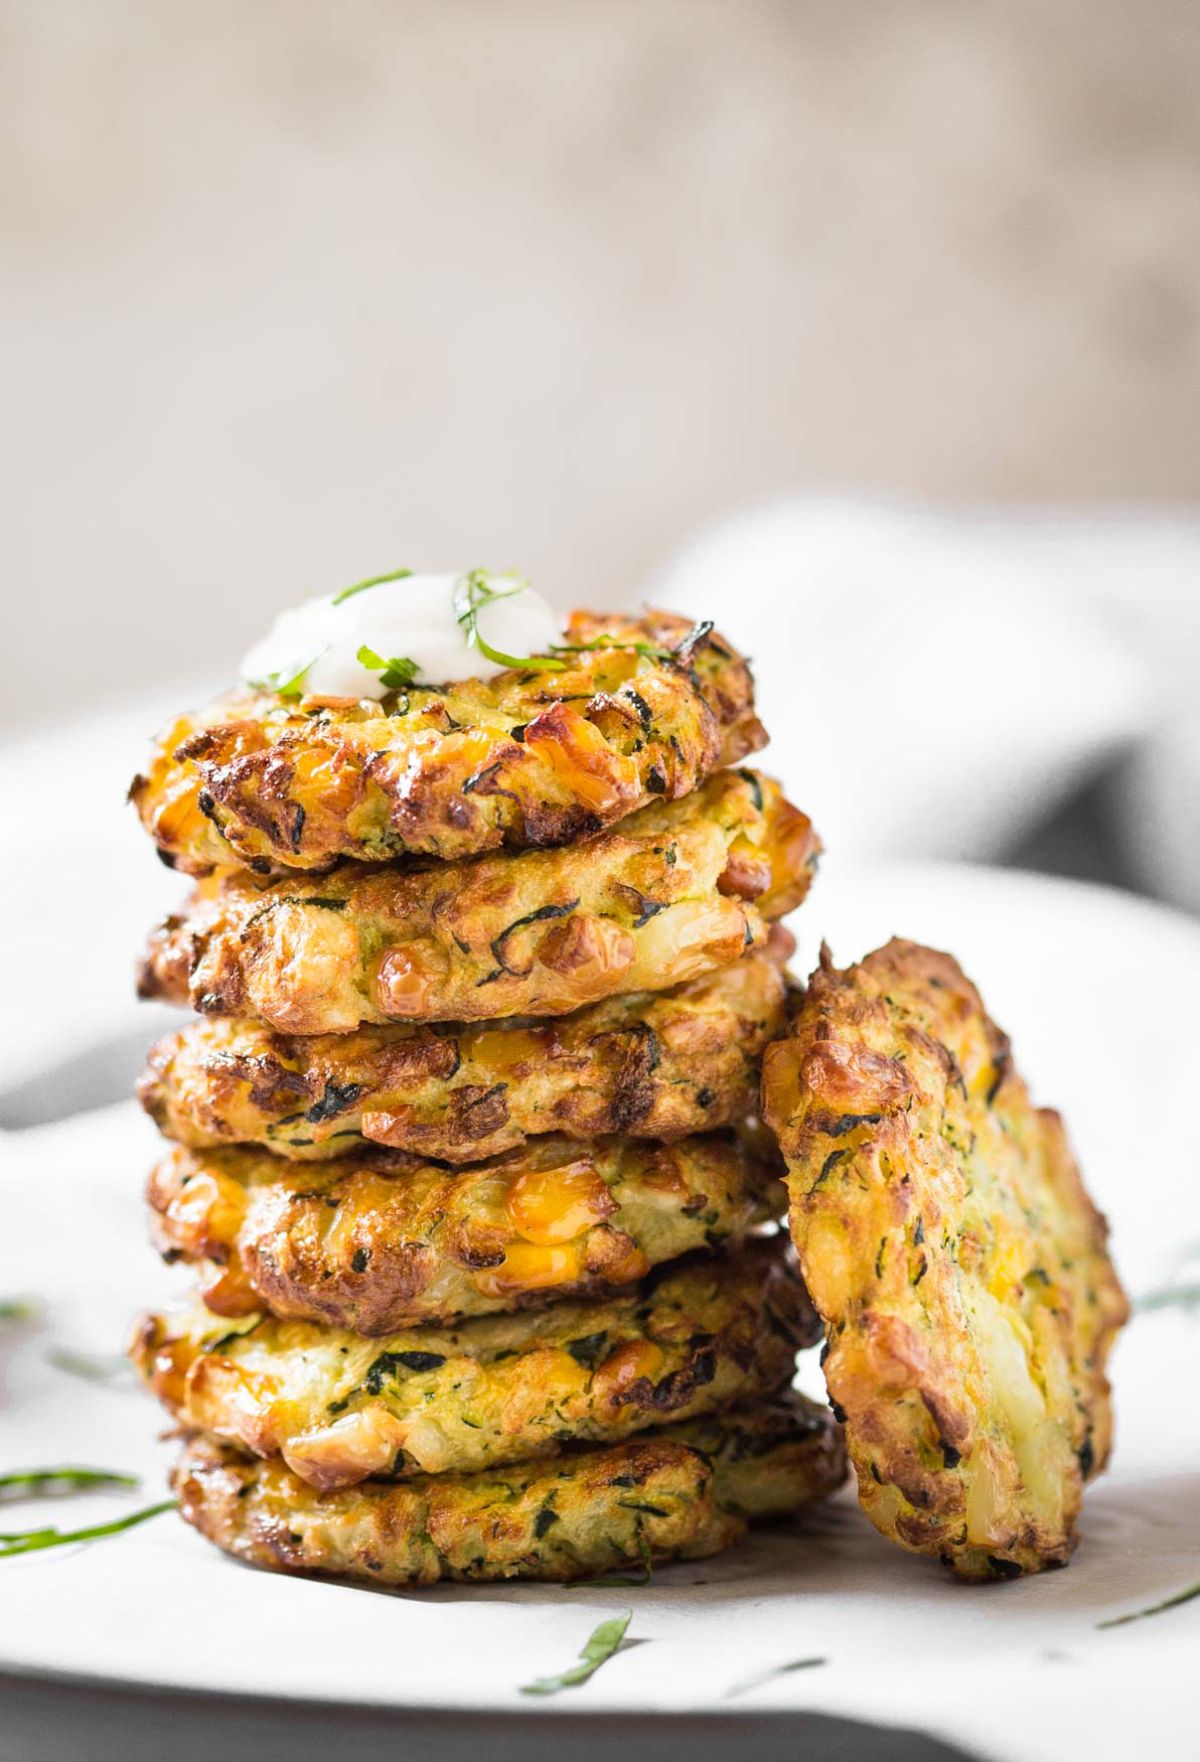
[649,651]
[598,1649]
[18,1309]
[33,1482]
[220,1341]
[588,1349]
[1180,1597]
[388,1363]
[29,1541]
[754,1682]
[288,682]
[395,674]
[1169,1297]
[616,1578]
[348,593]
[93,1368]
[477,590]
[500,943]
[335,1099]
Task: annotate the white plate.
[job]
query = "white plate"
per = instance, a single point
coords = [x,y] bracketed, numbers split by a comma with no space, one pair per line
[1099,992]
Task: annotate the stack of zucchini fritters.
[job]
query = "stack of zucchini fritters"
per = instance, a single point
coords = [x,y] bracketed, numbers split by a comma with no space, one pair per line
[465,1153]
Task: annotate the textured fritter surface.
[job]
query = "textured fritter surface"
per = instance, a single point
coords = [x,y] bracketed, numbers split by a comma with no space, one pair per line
[378,1243]
[955,1258]
[680,1493]
[677,890]
[526,759]
[658,1066]
[339,1407]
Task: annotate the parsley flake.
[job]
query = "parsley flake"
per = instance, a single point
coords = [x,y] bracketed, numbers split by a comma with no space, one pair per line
[598,1649]
[288,682]
[18,1309]
[753,1682]
[30,1541]
[478,589]
[1174,1602]
[29,1483]
[395,673]
[348,593]
[1169,1297]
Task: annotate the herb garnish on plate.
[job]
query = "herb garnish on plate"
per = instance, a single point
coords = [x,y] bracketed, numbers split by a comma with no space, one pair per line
[599,1647]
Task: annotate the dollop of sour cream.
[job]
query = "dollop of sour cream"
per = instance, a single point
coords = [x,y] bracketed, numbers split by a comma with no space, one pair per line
[401,630]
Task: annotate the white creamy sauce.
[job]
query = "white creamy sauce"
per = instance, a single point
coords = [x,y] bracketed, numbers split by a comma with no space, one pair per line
[314,647]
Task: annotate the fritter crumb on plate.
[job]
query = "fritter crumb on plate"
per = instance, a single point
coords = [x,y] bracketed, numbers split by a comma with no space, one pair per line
[652,1065]
[380,1242]
[677,890]
[698,1335]
[956,1261]
[524,760]
[682,1492]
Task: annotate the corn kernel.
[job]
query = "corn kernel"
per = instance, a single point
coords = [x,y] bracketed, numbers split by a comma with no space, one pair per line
[555,1205]
[530,1267]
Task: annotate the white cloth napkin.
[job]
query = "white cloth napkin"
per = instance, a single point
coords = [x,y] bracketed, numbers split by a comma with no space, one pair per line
[935,684]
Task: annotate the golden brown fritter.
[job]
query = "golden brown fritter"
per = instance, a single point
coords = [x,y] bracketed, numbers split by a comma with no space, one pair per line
[523,760]
[338,1407]
[380,1242]
[683,1492]
[660,1066]
[677,890]
[955,1258]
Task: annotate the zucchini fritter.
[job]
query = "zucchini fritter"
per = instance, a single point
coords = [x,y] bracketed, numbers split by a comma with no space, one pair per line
[378,1243]
[680,1493]
[659,1066]
[677,890]
[523,760]
[955,1258]
[339,1407]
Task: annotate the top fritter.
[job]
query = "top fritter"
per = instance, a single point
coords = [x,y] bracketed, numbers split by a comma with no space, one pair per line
[625,710]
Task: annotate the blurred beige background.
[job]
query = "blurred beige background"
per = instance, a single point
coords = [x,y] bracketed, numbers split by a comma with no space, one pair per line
[298,291]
